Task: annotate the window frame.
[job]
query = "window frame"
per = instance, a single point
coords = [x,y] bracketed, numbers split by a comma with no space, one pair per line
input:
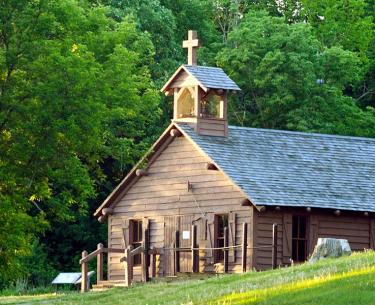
[300,239]
[219,254]
[138,225]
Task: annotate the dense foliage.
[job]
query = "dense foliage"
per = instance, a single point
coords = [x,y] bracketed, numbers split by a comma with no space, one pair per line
[79,102]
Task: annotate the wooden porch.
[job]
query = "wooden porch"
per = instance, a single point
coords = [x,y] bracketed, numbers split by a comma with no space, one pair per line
[149,258]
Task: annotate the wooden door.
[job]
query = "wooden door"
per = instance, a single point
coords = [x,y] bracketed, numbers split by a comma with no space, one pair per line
[170,227]
[185,242]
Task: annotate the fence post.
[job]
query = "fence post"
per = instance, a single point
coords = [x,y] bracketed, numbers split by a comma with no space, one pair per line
[145,257]
[244,246]
[99,264]
[274,246]
[194,256]
[173,258]
[84,282]
[177,253]
[226,243]
[128,266]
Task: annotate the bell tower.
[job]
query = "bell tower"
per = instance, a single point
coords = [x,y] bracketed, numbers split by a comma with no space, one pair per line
[200,93]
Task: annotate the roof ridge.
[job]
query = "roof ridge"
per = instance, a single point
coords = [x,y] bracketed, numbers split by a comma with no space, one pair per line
[310,134]
[198,66]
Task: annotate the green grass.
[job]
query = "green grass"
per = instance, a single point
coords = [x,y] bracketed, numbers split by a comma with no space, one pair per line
[349,280]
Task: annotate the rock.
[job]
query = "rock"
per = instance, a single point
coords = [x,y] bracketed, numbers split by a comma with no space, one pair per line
[330,247]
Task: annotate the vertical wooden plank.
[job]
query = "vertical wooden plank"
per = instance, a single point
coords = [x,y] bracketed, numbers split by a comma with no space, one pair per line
[232,236]
[313,233]
[197,106]
[244,246]
[274,246]
[210,238]
[153,265]
[99,264]
[84,282]
[372,234]
[175,104]
[126,233]
[177,252]
[128,264]
[146,245]
[287,238]
[226,252]
[194,253]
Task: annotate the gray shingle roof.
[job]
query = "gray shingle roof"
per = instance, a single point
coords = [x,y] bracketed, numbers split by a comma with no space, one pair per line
[283,168]
[212,77]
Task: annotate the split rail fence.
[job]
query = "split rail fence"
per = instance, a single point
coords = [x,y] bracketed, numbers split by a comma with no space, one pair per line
[149,256]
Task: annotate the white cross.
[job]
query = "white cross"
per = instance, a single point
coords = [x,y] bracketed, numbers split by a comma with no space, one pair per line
[192,44]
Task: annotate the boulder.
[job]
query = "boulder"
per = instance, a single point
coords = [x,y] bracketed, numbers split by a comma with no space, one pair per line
[330,247]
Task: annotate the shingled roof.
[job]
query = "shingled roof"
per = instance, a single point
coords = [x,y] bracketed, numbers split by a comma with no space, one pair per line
[212,77]
[283,168]
[206,77]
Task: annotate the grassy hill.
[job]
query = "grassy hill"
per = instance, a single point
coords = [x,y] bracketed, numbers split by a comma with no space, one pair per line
[349,280]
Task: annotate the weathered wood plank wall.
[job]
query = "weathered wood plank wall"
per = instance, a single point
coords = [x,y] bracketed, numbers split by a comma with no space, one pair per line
[354,227]
[163,193]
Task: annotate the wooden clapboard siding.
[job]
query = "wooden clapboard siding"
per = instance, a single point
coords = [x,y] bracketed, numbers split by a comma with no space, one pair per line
[354,227]
[163,198]
[213,127]
[263,223]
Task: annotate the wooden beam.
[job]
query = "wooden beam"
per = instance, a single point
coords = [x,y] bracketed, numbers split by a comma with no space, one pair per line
[261,208]
[274,246]
[277,208]
[107,211]
[177,255]
[140,172]
[194,253]
[90,256]
[99,263]
[308,209]
[84,282]
[244,246]
[365,214]
[175,133]
[101,219]
[153,264]
[226,252]
[337,212]
[128,262]
[145,255]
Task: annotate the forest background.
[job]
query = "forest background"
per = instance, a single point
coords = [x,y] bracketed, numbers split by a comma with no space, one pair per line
[80,101]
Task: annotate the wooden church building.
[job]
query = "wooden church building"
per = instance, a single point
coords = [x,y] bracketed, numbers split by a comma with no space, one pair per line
[217,177]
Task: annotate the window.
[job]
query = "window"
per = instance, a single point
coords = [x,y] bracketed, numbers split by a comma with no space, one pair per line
[135,231]
[185,104]
[221,221]
[210,106]
[299,240]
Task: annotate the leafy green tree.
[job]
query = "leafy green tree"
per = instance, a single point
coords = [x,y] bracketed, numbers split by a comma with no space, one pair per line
[290,80]
[76,103]
[340,22]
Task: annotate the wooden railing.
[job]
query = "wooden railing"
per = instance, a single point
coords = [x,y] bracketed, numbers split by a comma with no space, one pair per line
[99,254]
[149,255]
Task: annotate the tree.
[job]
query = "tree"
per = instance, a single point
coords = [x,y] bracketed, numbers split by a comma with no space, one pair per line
[290,80]
[340,22]
[76,96]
